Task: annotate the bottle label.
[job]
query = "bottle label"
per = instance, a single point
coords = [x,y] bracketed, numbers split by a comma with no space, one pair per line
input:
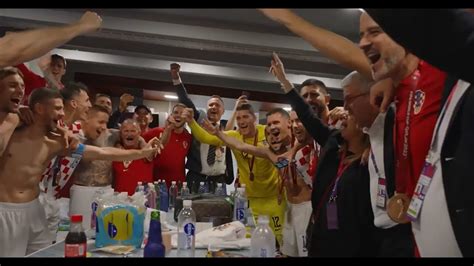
[263,253]
[93,215]
[186,238]
[240,214]
[75,250]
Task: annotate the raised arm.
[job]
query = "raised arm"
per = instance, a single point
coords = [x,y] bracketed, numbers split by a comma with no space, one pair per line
[234,143]
[419,31]
[114,154]
[332,45]
[19,47]
[231,122]
[165,136]
[198,132]
[315,127]
[181,90]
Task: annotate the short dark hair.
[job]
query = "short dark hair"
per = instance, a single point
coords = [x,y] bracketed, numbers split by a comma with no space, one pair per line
[41,95]
[8,71]
[279,110]
[97,109]
[73,89]
[142,107]
[217,97]
[314,82]
[58,57]
[179,105]
[247,107]
[98,95]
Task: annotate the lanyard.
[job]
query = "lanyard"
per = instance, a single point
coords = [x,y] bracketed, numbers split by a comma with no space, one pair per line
[313,159]
[252,161]
[429,168]
[381,184]
[340,171]
[377,171]
[403,156]
[434,142]
[288,172]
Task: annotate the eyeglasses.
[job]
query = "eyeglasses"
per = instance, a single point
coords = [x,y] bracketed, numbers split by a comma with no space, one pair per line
[348,100]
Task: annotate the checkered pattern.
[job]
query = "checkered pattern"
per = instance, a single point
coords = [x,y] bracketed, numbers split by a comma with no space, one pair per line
[65,171]
[303,159]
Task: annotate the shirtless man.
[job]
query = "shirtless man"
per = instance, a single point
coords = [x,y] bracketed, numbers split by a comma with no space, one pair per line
[19,47]
[22,220]
[281,154]
[12,89]
[93,175]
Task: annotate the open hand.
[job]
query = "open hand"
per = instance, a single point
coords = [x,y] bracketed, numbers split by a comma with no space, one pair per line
[278,70]
[209,127]
[188,115]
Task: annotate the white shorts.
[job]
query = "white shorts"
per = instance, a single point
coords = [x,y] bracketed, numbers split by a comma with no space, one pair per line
[51,209]
[23,229]
[81,202]
[294,230]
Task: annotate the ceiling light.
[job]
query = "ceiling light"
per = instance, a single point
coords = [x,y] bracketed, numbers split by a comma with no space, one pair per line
[167,96]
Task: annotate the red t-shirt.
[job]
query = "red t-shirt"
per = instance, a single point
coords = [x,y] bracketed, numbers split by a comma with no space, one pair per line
[169,165]
[31,80]
[425,107]
[128,173]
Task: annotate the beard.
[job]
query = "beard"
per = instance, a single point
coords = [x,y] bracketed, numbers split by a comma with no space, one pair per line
[317,110]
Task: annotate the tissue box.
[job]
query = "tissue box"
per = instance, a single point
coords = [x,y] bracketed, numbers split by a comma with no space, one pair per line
[208,209]
[119,225]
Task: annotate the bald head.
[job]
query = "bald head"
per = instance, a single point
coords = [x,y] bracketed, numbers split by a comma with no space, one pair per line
[130,134]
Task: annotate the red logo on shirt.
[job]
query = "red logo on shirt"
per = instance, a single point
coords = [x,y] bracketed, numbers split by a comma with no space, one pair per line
[419,100]
[185,144]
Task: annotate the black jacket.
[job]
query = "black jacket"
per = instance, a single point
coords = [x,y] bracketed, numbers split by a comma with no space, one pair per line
[451,48]
[194,156]
[355,235]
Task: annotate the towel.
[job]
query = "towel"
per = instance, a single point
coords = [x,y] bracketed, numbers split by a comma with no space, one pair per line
[226,236]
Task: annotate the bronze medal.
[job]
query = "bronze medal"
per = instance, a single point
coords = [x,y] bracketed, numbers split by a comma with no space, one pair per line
[397,207]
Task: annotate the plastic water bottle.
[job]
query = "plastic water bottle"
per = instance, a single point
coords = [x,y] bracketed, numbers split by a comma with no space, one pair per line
[145,188]
[164,197]
[141,188]
[154,247]
[202,188]
[151,196]
[94,206]
[157,190]
[139,183]
[186,230]
[185,191]
[173,193]
[240,206]
[219,190]
[263,241]
[179,186]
